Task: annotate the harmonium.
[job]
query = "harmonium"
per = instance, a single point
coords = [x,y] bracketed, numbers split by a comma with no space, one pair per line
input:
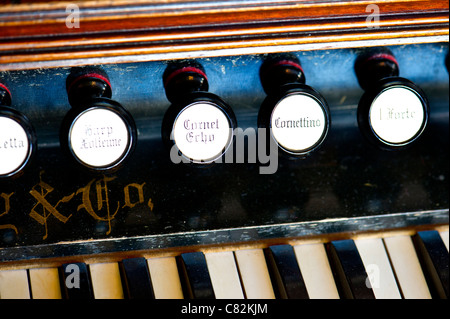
[149,149]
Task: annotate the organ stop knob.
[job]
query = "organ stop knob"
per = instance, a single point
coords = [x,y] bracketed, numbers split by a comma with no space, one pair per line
[297,115]
[97,132]
[198,126]
[393,112]
[18,142]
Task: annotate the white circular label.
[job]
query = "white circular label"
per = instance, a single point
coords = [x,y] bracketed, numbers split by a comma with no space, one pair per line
[98,137]
[298,122]
[202,131]
[14,145]
[397,114]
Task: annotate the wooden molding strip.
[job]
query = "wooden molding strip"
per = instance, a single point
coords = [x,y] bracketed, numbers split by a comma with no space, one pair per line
[35,35]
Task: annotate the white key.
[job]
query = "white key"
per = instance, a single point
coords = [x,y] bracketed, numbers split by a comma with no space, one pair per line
[165,278]
[224,275]
[14,284]
[106,281]
[407,267]
[316,271]
[254,274]
[44,283]
[444,236]
[378,268]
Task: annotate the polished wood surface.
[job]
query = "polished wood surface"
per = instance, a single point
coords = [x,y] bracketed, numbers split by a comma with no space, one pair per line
[36,35]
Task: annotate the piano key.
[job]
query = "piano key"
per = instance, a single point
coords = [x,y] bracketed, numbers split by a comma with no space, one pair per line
[106,280]
[196,279]
[285,272]
[378,268]
[14,284]
[224,275]
[136,278]
[165,278]
[254,274]
[444,236]
[75,281]
[434,257]
[350,270]
[44,283]
[406,266]
[315,268]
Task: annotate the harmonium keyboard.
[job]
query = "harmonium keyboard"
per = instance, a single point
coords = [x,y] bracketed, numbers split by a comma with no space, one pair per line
[149,149]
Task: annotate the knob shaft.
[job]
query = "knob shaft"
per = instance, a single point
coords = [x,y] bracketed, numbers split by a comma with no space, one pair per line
[297,115]
[393,111]
[180,79]
[97,132]
[18,142]
[198,127]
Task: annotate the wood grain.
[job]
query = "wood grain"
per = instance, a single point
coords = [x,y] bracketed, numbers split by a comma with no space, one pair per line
[35,35]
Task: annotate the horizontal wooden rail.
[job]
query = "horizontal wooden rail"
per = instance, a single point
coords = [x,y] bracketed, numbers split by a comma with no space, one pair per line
[38,35]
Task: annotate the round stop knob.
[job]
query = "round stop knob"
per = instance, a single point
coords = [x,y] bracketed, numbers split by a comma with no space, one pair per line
[97,132]
[198,125]
[296,115]
[393,112]
[18,142]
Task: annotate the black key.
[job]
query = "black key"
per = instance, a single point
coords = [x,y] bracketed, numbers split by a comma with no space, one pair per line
[349,270]
[194,276]
[136,278]
[76,281]
[433,256]
[285,272]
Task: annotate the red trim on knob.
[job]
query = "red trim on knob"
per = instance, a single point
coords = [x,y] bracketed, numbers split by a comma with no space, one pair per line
[287,62]
[182,70]
[89,75]
[380,56]
[7,90]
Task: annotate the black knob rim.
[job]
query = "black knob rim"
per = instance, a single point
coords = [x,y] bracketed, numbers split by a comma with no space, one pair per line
[365,105]
[28,128]
[99,104]
[175,110]
[5,95]
[180,79]
[272,101]
[280,69]
[84,84]
[375,64]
